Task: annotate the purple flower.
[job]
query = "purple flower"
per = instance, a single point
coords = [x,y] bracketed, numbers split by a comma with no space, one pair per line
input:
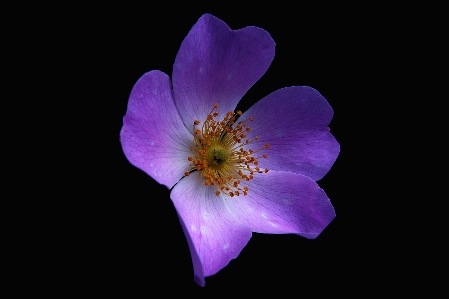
[235,173]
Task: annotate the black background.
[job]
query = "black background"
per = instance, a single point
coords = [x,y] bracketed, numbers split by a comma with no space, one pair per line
[79,221]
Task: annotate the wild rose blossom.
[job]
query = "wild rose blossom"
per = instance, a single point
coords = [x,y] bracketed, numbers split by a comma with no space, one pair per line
[231,173]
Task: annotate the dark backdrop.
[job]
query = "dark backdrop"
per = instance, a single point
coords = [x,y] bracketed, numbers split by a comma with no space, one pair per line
[79,221]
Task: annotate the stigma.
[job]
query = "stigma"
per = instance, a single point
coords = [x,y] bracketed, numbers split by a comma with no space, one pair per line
[218,152]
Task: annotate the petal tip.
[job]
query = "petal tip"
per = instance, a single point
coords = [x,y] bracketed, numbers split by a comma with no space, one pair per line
[199,280]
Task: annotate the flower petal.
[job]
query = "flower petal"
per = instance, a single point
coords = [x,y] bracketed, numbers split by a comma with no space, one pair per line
[153,136]
[284,202]
[214,234]
[217,65]
[294,122]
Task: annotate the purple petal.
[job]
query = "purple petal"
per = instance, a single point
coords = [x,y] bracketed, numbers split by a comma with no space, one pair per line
[217,65]
[215,236]
[153,136]
[284,202]
[294,122]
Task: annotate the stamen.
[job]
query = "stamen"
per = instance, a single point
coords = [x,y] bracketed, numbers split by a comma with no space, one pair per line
[219,153]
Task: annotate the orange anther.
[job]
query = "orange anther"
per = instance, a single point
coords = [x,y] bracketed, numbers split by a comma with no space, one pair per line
[265,156]
[266,170]
[227,134]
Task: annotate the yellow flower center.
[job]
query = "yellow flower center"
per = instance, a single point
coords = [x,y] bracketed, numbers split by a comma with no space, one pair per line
[218,152]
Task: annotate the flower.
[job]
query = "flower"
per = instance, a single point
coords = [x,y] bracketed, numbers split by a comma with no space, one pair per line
[232,173]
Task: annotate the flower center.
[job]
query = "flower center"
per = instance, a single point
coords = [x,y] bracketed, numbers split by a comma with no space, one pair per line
[218,152]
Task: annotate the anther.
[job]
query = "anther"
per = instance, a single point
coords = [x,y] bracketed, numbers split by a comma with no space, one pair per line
[219,153]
